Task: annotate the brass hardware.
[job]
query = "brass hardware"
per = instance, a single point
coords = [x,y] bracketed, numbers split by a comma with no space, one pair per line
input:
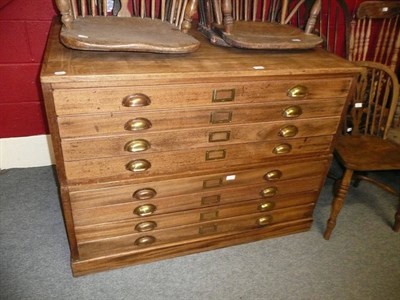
[223,95]
[145,240]
[282,149]
[273,175]
[218,117]
[210,183]
[215,154]
[219,136]
[146,226]
[266,206]
[292,111]
[269,192]
[137,124]
[136,100]
[298,91]
[144,194]
[137,146]
[288,131]
[214,199]
[206,216]
[145,210]
[139,165]
[263,221]
[207,229]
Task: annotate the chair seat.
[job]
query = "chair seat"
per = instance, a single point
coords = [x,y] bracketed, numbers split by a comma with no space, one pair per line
[263,35]
[367,153]
[127,34]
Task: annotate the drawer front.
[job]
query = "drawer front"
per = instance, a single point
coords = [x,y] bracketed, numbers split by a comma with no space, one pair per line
[154,224]
[79,149]
[153,209]
[143,241]
[168,163]
[141,98]
[170,194]
[132,122]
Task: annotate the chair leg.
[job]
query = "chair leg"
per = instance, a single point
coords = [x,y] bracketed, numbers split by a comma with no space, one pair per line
[338,202]
[396,226]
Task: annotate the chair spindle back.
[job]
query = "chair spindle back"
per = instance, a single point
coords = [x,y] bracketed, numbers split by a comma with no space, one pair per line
[375,100]
[280,11]
[334,26]
[375,33]
[176,12]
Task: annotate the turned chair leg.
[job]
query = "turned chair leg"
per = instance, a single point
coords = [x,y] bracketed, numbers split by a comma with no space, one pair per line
[396,226]
[338,202]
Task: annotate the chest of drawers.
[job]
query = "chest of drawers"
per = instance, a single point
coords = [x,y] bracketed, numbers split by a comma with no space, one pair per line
[165,155]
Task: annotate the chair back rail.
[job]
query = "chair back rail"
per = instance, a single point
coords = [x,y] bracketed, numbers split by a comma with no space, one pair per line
[333,25]
[329,19]
[176,12]
[281,11]
[375,100]
[375,33]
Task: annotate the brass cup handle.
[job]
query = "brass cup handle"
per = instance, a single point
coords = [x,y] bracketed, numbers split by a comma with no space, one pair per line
[282,149]
[265,206]
[139,165]
[136,100]
[146,226]
[292,111]
[144,194]
[145,210]
[269,192]
[137,146]
[298,91]
[137,124]
[265,220]
[288,131]
[273,175]
[145,240]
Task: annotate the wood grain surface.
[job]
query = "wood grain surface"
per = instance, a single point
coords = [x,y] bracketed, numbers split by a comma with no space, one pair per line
[216,147]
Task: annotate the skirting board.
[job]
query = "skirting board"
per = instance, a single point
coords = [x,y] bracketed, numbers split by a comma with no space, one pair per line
[26,152]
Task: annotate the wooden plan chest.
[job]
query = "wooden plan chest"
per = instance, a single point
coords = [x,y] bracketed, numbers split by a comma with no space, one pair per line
[164,155]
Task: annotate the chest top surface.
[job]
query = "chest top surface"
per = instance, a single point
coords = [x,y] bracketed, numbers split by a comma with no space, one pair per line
[209,63]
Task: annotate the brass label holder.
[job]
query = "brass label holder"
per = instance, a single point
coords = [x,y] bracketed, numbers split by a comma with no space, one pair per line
[207,200]
[218,117]
[216,154]
[224,95]
[207,216]
[207,229]
[210,183]
[219,136]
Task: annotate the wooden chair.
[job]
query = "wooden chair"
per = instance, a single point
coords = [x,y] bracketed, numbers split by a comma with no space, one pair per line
[140,25]
[364,146]
[375,33]
[257,24]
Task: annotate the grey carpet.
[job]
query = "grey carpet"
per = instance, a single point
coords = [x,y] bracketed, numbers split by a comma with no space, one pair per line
[361,261]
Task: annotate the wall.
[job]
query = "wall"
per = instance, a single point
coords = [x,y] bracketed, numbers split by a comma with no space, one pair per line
[24,27]
[23,33]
